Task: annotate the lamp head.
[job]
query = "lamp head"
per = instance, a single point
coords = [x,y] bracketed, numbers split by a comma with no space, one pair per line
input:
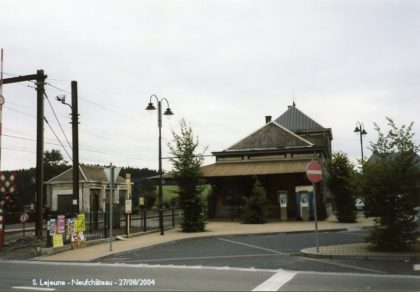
[357,129]
[150,107]
[61,98]
[168,112]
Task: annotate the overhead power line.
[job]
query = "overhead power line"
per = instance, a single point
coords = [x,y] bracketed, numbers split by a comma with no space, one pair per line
[58,121]
[17,149]
[58,139]
[96,104]
[100,151]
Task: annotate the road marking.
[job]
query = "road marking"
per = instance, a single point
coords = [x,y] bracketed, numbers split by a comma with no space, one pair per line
[148,266]
[32,288]
[416,267]
[139,265]
[304,258]
[276,281]
[253,246]
[343,265]
[191,258]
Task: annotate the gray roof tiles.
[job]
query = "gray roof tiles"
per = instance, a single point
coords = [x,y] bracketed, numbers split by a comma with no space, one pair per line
[295,120]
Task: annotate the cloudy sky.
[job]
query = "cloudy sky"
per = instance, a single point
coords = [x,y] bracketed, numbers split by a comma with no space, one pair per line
[223,66]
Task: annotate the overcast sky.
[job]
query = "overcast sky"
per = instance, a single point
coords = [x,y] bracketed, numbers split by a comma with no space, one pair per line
[223,66]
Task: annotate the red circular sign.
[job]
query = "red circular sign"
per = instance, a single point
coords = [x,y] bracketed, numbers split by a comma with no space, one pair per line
[314,171]
[24,217]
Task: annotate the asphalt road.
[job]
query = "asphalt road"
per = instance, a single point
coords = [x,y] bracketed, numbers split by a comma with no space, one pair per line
[46,276]
[272,251]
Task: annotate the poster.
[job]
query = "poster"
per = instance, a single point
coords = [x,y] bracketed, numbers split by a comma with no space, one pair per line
[58,240]
[70,228]
[51,226]
[78,240]
[79,225]
[61,225]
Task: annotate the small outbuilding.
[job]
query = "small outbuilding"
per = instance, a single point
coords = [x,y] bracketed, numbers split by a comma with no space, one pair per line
[93,190]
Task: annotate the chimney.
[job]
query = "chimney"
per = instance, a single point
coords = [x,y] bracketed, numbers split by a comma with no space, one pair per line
[267,119]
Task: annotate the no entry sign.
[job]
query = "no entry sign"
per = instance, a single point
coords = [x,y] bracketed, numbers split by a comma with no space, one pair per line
[314,171]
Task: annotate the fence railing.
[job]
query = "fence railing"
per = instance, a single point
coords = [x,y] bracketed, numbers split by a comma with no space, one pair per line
[97,224]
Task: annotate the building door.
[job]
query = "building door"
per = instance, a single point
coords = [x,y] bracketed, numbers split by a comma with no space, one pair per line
[64,204]
[94,208]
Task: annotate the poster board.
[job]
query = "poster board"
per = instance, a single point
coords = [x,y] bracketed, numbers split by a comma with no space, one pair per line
[58,240]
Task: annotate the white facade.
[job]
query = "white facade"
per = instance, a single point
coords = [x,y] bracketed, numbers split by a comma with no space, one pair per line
[93,190]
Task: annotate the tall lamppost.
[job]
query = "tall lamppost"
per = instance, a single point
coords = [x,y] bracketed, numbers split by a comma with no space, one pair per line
[360,128]
[167,112]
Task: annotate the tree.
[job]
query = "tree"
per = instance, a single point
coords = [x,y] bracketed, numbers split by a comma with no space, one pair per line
[340,183]
[391,181]
[142,185]
[186,169]
[54,164]
[254,205]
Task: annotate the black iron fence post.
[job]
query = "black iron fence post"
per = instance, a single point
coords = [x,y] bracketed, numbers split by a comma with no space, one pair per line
[49,237]
[105,225]
[144,220]
[173,217]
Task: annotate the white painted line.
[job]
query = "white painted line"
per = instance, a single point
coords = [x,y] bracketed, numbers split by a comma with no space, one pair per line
[253,246]
[416,267]
[313,171]
[276,281]
[139,266]
[32,288]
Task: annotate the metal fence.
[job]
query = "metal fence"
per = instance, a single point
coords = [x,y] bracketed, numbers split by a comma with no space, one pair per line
[96,224]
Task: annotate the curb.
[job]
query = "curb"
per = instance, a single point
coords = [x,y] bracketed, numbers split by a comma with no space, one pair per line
[47,251]
[309,252]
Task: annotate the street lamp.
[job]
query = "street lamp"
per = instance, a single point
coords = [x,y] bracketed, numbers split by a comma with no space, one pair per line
[168,112]
[75,140]
[360,128]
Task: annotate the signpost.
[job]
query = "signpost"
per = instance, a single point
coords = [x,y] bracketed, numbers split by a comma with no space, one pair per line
[112,174]
[23,218]
[314,174]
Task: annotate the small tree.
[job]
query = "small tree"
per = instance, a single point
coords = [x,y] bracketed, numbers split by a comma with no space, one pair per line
[186,166]
[340,182]
[391,182]
[254,205]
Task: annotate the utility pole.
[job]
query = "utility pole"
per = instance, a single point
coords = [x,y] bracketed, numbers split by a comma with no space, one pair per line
[40,92]
[75,132]
[39,77]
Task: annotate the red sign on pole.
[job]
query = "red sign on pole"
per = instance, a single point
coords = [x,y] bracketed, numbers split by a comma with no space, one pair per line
[314,171]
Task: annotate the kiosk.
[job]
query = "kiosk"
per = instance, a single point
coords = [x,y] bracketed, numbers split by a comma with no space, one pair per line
[304,198]
[282,198]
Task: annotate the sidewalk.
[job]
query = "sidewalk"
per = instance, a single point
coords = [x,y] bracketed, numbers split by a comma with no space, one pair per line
[213,228]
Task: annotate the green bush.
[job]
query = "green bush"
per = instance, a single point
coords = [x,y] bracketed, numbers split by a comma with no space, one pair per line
[341,184]
[395,230]
[254,206]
